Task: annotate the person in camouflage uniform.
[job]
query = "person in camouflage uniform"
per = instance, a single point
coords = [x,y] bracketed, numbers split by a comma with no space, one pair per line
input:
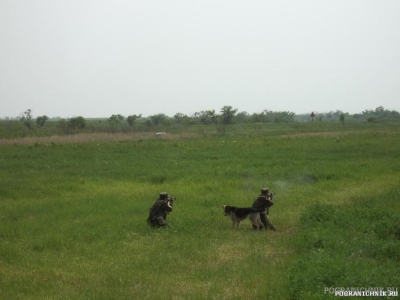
[159,211]
[264,201]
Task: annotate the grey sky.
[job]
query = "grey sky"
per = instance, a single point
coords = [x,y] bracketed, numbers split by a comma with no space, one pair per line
[95,58]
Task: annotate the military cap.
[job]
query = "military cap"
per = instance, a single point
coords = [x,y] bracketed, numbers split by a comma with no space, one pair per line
[264,190]
[163,195]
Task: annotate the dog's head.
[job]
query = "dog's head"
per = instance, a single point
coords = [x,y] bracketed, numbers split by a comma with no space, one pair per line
[228,209]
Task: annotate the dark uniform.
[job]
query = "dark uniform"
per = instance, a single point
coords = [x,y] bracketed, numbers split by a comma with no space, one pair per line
[264,202]
[159,211]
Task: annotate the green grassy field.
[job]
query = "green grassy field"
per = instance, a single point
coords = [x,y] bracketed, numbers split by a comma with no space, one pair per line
[73,213]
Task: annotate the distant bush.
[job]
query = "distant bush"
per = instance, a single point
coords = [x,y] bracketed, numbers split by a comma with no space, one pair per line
[77,123]
[41,120]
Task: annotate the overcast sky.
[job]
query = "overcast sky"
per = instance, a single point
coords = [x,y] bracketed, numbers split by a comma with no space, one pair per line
[95,58]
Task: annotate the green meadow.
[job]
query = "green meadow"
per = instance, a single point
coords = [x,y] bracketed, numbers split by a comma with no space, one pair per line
[73,213]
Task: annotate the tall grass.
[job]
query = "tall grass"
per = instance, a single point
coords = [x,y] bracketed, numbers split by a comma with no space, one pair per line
[73,215]
[348,245]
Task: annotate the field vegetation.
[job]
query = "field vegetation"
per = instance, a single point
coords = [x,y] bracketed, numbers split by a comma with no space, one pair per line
[26,125]
[73,212]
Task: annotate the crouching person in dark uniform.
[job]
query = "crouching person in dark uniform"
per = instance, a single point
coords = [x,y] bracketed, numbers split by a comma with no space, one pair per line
[264,201]
[159,211]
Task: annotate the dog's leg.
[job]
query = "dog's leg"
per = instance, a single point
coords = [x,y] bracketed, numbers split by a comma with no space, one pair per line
[235,222]
[253,220]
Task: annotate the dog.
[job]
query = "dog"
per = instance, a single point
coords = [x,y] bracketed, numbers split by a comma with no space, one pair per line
[238,214]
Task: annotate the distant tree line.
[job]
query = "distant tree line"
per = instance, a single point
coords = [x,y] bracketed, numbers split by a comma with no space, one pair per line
[229,115]
[226,116]
[369,116]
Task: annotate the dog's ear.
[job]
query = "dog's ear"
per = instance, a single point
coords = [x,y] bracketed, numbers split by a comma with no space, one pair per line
[227,208]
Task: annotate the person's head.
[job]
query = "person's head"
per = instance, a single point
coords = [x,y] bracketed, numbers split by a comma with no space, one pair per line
[264,191]
[163,196]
